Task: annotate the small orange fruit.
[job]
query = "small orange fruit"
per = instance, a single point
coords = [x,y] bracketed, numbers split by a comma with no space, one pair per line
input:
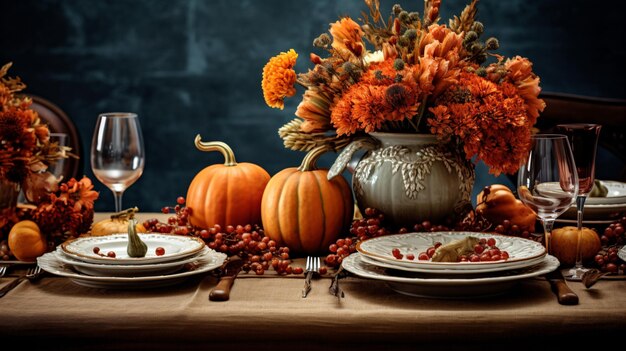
[26,241]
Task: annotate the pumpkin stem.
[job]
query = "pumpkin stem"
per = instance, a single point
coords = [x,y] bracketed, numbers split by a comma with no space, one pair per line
[128,213]
[308,163]
[225,150]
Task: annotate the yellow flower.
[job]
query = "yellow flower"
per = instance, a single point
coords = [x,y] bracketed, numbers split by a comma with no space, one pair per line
[279,79]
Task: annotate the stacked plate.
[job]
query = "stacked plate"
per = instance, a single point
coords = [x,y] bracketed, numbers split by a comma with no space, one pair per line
[600,210]
[180,258]
[375,260]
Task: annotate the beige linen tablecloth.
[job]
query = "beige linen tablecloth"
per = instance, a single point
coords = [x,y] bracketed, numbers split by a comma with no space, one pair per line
[268,312]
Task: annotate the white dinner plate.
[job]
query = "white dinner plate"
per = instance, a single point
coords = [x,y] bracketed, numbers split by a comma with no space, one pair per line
[616,194]
[176,247]
[380,249]
[50,263]
[138,270]
[589,222]
[454,272]
[433,286]
[606,212]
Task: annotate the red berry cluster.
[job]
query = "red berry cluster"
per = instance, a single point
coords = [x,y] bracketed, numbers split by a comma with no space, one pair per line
[614,233]
[507,228]
[370,226]
[612,238]
[246,241]
[373,225]
[485,250]
[608,261]
[250,244]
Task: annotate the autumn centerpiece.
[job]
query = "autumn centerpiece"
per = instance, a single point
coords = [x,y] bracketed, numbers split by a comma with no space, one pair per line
[58,208]
[426,99]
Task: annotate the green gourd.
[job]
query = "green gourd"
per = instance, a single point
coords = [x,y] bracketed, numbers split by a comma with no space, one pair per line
[136,247]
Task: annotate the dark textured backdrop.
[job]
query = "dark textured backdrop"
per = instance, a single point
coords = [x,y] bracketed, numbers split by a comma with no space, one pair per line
[192,66]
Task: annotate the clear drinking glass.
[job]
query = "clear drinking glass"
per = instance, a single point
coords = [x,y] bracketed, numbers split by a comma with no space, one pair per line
[548,181]
[57,168]
[117,152]
[583,139]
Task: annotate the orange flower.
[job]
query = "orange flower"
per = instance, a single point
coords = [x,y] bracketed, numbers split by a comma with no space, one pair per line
[441,42]
[347,36]
[341,116]
[402,101]
[315,110]
[521,75]
[369,107]
[491,126]
[79,193]
[279,79]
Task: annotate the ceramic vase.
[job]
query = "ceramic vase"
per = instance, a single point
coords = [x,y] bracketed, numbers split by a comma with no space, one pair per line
[409,177]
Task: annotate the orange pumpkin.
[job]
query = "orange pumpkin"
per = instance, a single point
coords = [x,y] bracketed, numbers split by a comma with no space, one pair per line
[26,241]
[565,240]
[228,194]
[305,211]
[499,203]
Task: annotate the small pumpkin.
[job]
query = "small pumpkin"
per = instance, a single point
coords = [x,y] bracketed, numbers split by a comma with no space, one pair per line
[226,194]
[564,240]
[118,223]
[304,210]
[26,241]
[498,203]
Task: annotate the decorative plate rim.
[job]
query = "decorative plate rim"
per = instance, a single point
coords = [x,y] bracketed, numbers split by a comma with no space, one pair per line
[540,250]
[456,272]
[67,259]
[48,260]
[68,248]
[617,199]
[549,264]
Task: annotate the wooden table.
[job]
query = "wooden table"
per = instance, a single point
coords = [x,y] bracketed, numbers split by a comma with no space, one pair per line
[268,312]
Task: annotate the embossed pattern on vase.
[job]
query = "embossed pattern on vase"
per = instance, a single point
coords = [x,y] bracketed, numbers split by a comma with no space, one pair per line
[412,179]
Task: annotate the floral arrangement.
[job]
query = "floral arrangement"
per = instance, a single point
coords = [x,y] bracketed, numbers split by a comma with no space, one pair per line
[416,75]
[61,210]
[25,147]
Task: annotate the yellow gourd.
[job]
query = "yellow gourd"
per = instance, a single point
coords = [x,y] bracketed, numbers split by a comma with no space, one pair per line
[118,223]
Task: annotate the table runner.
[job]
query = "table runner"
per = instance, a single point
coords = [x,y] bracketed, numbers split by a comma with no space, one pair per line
[269,310]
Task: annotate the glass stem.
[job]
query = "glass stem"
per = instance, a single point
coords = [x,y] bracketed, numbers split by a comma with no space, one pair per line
[117,195]
[547,229]
[580,204]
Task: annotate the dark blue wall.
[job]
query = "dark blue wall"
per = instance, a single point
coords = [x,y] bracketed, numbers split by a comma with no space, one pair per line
[192,66]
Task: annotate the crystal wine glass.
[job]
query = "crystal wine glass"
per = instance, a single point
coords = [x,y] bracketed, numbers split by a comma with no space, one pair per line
[117,152]
[548,181]
[583,139]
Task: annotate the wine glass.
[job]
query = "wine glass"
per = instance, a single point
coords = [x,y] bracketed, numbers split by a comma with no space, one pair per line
[117,152]
[548,181]
[583,139]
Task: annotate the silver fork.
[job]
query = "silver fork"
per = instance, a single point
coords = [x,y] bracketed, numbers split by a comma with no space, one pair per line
[312,266]
[3,269]
[32,274]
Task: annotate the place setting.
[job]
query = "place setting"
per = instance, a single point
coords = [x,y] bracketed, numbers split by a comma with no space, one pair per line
[131,260]
[604,204]
[407,263]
